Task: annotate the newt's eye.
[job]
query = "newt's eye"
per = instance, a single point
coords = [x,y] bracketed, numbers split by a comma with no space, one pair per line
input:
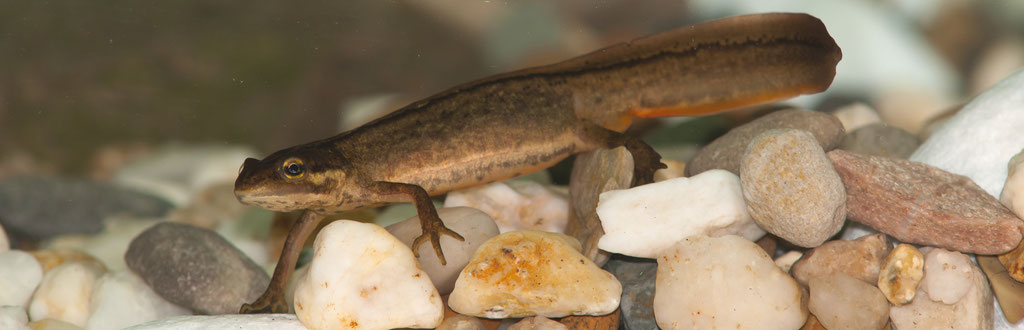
[293,168]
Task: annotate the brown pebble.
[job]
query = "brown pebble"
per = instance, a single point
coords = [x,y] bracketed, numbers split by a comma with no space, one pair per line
[918,203]
[726,152]
[603,322]
[1008,291]
[593,173]
[860,258]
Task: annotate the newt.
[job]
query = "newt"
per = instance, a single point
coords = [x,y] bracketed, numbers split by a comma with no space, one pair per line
[523,121]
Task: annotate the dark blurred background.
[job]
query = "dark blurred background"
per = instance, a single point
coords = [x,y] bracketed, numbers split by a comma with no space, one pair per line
[80,77]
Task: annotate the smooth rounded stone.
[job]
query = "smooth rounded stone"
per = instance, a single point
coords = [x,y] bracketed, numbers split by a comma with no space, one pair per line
[108,246]
[593,173]
[178,173]
[856,115]
[726,152]
[39,208]
[637,276]
[537,323]
[840,301]
[527,273]
[195,268]
[791,189]
[51,258]
[949,275]
[52,324]
[725,282]
[901,274]
[917,203]
[1013,261]
[121,299]
[1008,291]
[461,322]
[974,310]
[881,140]
[608,321]
[1012,195]
[363,277]
[475,227]
[20,273]
[516,205]
[65,291]
[981,138]
[860,258]
[13,318]
[233,321]
[786,260]
[643,221]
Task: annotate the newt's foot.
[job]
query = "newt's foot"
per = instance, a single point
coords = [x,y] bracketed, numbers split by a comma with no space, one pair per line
[268,303]
[646,161]
[433,229]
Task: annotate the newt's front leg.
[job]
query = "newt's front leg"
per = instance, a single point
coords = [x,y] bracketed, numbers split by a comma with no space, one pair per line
[430,222]
[272,300]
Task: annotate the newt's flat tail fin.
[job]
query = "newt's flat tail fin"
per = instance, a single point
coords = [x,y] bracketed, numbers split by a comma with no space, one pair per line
[746,60]
[703,68]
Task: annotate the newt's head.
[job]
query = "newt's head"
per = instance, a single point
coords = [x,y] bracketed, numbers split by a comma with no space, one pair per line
[288,180]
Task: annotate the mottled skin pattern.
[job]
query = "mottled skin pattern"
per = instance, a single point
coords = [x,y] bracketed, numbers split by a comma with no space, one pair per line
[523,121]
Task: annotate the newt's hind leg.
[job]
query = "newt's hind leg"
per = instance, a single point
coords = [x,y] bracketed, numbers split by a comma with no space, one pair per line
[430,222]
[645,160]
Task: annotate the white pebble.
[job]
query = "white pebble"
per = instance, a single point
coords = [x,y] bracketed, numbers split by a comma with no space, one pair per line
[516,205]
[360,274]
[724,282]
[856,115]
[947,275]
[645,220]
[982,137]
[65,292]
[20,273]
[122,299]
[231,321]
[13,318]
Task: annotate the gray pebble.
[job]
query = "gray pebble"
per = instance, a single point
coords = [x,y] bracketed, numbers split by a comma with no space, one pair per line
[195,268]
[637,276]
[881,140]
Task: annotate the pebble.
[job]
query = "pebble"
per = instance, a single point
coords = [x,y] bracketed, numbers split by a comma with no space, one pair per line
[195,268]
[108,246]
[475,226]
[749,291]
[726,152]
[791,189]
[786,260]
[20,273]
[603,322]
[881,140]
[537,323]
[39,208]
[840,301]
[921,204]
[65,292]
[1013,261]
[233,321]
[1008,291]
[637,276]
[516,205]
[51,258]
[13,318]
[643,221]
[973,310]
[981,138]
[856,115]
[121,299]
[527,273]
[594,173]
[1012,195]
[178,173]
[860,258]
[362,277]
[461,322]
[901,274]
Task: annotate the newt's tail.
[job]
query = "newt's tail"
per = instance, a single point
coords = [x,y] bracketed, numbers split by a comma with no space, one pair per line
[704,68]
